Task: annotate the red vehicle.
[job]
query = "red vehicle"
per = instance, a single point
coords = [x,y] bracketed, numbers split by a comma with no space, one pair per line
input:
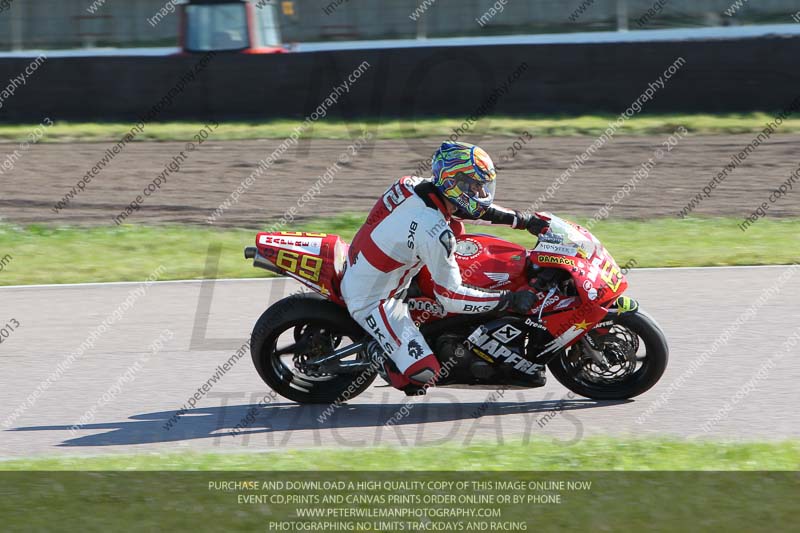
[593,339]
[243,26]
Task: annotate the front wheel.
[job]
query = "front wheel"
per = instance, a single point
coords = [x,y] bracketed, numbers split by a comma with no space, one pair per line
[298,328]
[634,357]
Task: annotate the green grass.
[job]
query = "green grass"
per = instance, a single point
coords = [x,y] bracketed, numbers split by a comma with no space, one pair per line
[642,485]
[538,125]
[545,455]
[72,255]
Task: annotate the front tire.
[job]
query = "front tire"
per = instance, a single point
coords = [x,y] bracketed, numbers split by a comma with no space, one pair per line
[288,321]
[575,371]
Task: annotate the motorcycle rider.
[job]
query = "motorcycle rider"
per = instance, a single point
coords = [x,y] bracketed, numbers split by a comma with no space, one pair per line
[408,228]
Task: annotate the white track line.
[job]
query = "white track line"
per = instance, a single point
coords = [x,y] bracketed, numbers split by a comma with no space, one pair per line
[124,283]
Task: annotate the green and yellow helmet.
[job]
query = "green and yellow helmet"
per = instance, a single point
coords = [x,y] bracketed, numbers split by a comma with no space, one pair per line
[465,175]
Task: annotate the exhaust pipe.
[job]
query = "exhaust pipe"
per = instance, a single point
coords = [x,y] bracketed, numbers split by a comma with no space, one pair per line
[251,252]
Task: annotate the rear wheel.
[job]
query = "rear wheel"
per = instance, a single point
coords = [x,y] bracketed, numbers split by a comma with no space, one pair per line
[299,328]
[634,352]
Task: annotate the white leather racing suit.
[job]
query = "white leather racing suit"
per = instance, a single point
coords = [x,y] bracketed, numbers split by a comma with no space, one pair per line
[407,229]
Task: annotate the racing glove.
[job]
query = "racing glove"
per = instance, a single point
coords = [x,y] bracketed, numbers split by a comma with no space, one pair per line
[533,223]
[519,302]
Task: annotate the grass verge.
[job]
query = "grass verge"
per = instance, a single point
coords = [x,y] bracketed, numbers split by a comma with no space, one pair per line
[643,485]
[42,255]
[537,125]
[545,455]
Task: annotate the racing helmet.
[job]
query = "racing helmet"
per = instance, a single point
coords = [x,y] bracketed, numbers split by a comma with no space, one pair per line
[464,174]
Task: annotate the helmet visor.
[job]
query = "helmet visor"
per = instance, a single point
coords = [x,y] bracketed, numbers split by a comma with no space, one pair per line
[473,196]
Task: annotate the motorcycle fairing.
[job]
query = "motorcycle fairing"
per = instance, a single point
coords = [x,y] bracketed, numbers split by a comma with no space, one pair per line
[314,259]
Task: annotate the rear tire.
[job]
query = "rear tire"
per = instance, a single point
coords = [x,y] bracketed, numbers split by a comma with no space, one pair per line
[303,311]
[653,365]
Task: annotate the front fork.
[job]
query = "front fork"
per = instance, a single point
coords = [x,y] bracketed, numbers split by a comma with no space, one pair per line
[621,305]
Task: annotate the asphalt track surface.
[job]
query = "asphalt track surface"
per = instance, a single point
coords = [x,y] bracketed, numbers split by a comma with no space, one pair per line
[694,306]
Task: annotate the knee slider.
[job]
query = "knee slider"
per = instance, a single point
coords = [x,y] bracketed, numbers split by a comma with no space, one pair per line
[424,371]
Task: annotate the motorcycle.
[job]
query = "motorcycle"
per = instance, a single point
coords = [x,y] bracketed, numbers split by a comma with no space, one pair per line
[594,340]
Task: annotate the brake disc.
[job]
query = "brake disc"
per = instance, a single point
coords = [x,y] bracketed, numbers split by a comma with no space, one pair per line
[314,343]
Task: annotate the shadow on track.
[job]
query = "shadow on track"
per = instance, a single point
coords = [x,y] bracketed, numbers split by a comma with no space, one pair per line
[278,421]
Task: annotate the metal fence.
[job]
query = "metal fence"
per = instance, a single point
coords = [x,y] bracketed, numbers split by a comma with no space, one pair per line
[26,24]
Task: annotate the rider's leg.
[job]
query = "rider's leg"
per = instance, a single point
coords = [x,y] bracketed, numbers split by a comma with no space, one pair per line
[390,324]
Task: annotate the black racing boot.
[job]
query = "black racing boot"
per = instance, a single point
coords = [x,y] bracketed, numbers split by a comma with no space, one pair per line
[414,390]
[378,359]
[539,379]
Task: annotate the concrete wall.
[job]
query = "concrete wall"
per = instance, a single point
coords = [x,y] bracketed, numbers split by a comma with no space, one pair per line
[718,76]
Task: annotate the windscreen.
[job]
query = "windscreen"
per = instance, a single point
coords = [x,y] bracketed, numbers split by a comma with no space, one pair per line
[216,27]
[268,26]
[564,238]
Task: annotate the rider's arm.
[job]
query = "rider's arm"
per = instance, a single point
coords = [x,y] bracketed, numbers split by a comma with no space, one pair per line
[495,215]
[500,215]
[516,219]
[436,250]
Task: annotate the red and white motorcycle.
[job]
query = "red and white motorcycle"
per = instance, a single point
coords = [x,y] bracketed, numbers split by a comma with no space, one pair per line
[595,341]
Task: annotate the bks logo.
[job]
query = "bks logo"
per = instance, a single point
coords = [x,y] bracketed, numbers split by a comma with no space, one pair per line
[412,229]
[470,308]
[378,335]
